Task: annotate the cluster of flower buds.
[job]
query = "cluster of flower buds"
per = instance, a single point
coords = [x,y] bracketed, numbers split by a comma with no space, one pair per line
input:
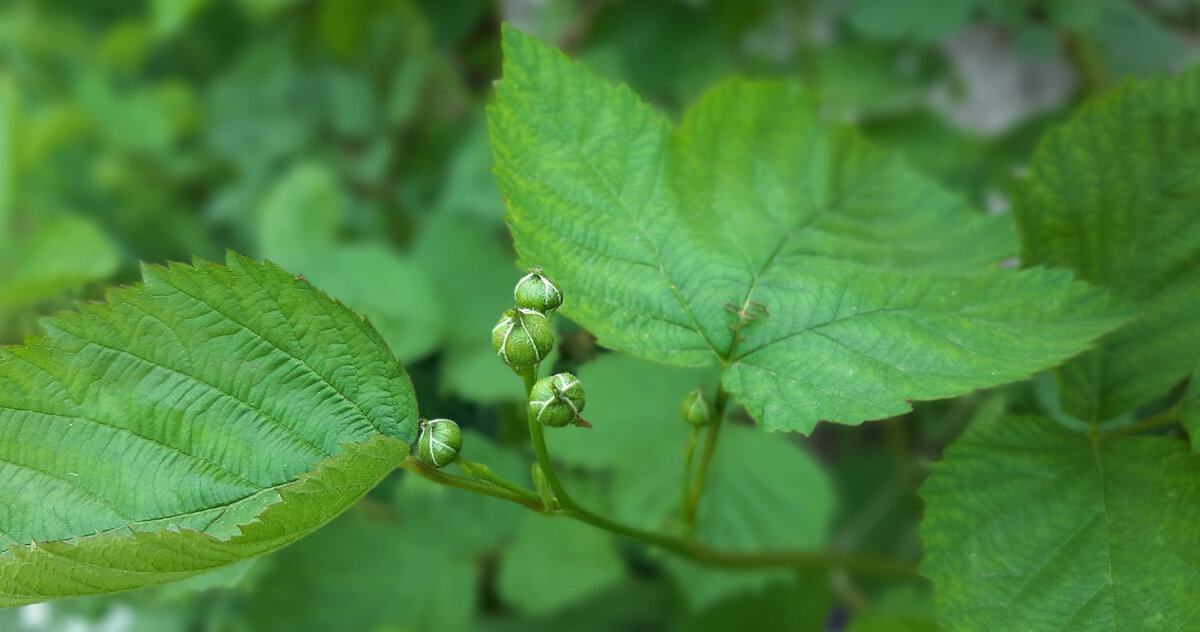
[523,337]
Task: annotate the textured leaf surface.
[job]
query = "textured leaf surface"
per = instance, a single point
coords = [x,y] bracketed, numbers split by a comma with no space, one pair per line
[209,415]
[638,437]
[1031,527]
[878,284]
[1114,195]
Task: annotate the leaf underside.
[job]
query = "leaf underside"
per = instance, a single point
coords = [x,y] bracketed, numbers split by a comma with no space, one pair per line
[207,415]
[1114,195]
[1028,526]
[860,285]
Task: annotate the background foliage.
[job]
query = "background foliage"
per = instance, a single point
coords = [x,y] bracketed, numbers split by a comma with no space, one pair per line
[345,140]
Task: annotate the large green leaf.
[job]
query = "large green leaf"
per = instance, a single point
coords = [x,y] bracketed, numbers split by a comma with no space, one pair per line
[1031,527]
[1114,195]
[209,415]
[880,286]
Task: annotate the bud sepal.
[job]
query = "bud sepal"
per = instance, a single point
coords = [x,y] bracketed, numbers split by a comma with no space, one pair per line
[695,409]
[557,400]
[534,291]
[440,442]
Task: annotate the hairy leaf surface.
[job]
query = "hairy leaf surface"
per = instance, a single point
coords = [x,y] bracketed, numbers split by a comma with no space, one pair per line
[830,280]
[1114,195]
[208,415]
[1029,526]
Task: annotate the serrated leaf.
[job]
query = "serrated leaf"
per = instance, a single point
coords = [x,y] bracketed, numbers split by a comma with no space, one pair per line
[878,286]
[206,416]
[1029,526]
[638,437]
[1113,195]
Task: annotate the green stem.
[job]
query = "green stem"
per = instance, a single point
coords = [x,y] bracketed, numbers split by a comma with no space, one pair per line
[700,553]
[710,443]
[484,473]
[526,498]
[761,559]
[1085,58]
[1166,418]
[689,453]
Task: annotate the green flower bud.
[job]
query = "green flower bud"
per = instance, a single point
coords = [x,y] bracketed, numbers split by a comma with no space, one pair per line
[439,443]
[522,338]
[695,409]
[557,400]
[535,291]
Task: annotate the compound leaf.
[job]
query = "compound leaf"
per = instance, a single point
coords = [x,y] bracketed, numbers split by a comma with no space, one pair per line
[1029,526]
[831,281]
[206,416]
[1113,194]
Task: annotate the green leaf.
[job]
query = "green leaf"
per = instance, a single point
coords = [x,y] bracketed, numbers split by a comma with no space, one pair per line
[46,256]
[1113,195]
[638,439]
[764,493]
[798,605]
[557,563]
[411,562]
[298,230]
[206,416]
[1189,410]
[360,573]
[1029,526]
[879,287]
[920,20]
[10,122]
[1121,22]
[902,609]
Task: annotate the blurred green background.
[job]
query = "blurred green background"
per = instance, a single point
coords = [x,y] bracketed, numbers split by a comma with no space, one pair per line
[345,140]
